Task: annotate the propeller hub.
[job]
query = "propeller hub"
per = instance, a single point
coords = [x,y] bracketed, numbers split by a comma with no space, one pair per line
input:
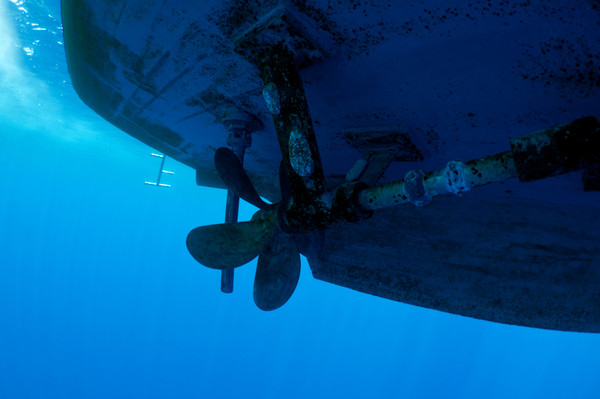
[304,214]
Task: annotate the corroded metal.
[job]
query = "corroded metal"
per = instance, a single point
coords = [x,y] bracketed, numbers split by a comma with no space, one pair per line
[547,153]
[414,188]
[277,67]
[557,150]
[478,172]
[272,98]
[456,178]
[299,153]
[309,209]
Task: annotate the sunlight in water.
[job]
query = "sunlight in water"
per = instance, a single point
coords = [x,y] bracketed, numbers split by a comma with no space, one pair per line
[24,96]
[29,96]
[9,66]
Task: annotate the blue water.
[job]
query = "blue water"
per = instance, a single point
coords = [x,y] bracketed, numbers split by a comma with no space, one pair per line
[99,297]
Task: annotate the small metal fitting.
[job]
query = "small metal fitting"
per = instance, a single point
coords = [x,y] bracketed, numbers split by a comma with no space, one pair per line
[414,188]
[456,179]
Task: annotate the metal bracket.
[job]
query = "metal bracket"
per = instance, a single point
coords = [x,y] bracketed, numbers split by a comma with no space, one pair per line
[157,183]
[370,167]
[239,139]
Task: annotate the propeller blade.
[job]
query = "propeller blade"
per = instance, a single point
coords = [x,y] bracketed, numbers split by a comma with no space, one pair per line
[228,245]
[277,272]
[236,179]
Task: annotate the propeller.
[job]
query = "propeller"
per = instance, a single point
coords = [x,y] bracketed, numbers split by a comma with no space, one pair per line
[230,245]
[302,183]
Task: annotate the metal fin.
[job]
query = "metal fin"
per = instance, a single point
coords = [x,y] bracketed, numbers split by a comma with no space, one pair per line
[228,245]
[277,272]
[236,179]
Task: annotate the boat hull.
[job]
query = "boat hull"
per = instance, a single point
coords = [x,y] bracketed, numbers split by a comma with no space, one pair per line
[429,83]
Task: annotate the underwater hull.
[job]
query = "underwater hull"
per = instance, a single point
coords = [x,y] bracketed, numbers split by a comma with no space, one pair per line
[529,263]
[430,84]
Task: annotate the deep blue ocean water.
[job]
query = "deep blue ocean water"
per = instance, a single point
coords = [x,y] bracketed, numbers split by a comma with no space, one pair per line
[99,297]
